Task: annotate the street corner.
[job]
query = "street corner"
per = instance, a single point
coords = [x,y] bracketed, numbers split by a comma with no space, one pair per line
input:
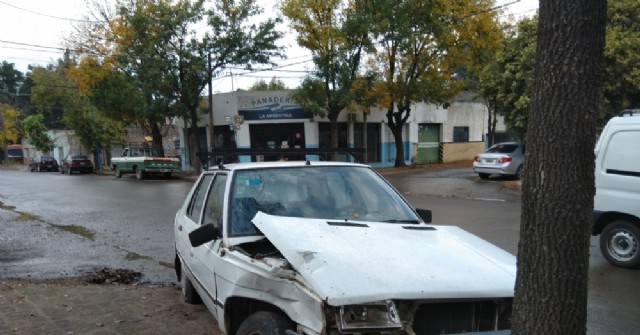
[72,306]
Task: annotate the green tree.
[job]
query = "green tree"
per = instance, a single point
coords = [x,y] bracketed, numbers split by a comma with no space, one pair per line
[274,85]
[35,129]
[506,83]
[557,201]
[427,50]
[154,52]
[56,94]
[10,82]
[336,33]
[622,58]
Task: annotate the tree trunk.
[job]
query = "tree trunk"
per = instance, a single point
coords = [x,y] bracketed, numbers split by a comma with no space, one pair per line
[194,141]
[156,136]
[397,137]
[558,185]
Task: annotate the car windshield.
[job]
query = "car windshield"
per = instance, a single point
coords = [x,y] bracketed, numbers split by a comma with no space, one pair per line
[503,148]
[324,192]
[47,158]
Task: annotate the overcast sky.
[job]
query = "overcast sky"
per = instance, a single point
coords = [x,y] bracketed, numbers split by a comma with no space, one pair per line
[32,32]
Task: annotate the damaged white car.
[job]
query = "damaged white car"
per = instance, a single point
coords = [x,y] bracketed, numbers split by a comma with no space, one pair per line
[332,248]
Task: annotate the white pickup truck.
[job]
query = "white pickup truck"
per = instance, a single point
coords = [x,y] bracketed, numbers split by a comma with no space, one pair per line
[143,162]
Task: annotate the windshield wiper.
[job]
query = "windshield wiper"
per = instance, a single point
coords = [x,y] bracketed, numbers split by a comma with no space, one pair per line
[401,221]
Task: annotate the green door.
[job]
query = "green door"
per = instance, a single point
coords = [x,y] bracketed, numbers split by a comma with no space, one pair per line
[428,143]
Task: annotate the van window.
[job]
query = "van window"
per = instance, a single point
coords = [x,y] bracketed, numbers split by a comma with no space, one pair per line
[622,154]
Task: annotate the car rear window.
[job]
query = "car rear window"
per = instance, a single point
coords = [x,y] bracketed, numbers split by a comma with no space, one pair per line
[79,157]
[47,158]
[503,148]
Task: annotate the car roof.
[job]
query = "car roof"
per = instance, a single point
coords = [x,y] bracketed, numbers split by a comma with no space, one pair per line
[281,164]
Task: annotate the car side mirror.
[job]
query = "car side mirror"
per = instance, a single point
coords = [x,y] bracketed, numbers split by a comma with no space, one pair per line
[425,214]
[204,234]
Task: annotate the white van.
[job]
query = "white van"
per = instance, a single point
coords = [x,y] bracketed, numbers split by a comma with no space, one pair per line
[616,210]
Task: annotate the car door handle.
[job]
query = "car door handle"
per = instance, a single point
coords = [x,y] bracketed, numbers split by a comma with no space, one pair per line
[180,228]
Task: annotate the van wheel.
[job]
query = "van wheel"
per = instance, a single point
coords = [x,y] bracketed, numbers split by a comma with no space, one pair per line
[620,244]
[189,293]
[483,175]
[265,323]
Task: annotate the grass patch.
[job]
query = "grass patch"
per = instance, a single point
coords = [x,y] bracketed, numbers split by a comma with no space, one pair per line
[132,256]
[7,207]
[166,265]
[78,230]
[25,217]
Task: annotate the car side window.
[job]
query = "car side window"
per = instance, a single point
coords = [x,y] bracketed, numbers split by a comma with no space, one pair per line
[215,202]
[195,206]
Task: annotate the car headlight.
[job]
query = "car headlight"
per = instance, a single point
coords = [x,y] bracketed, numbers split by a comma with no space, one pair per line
[374,316]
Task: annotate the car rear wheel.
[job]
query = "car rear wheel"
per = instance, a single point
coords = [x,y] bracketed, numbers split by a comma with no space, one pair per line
[519,172]
[139,174]
[620,244]
[62,171]
[39,168]
[265,323]
[189,293]
[483,175]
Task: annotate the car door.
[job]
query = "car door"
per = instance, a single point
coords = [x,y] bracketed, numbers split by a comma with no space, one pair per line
[207,255]
[188,219]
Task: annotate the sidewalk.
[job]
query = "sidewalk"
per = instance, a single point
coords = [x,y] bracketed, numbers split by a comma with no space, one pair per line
[73,307]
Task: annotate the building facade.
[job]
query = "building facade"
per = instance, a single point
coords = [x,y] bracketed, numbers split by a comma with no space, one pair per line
[271,119]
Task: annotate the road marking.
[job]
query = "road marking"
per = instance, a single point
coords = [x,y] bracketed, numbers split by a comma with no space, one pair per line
[488,199]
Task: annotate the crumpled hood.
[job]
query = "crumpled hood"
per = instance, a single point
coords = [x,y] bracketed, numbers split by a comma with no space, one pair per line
[349,264]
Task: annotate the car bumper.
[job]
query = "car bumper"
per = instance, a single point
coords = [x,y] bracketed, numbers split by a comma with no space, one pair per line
[87,169]
[162,170]
[499,169]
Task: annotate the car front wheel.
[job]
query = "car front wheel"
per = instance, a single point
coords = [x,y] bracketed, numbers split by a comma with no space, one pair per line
[619,244]
[265,323]
[118,173]
[189,293]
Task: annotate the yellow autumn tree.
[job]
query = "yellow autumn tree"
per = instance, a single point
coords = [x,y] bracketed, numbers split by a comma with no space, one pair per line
[9,125]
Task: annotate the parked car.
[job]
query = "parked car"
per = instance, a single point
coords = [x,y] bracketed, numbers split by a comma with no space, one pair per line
[332,248]
[43,163]
[616,211]
[506,159]
[79,163]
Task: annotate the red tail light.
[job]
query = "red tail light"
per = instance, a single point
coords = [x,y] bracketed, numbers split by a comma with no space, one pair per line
[477,159]
[505,159]
[74,163]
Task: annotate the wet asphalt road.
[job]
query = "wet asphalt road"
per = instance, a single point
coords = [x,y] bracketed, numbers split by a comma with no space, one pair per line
[80,223]
[64,226]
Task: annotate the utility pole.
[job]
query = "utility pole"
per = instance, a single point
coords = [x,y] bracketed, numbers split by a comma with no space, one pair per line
[211,134]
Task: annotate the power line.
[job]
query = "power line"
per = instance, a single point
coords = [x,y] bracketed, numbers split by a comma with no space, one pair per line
[42,14]
[34,45]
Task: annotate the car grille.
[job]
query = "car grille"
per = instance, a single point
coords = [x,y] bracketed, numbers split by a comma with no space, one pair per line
[462,317]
